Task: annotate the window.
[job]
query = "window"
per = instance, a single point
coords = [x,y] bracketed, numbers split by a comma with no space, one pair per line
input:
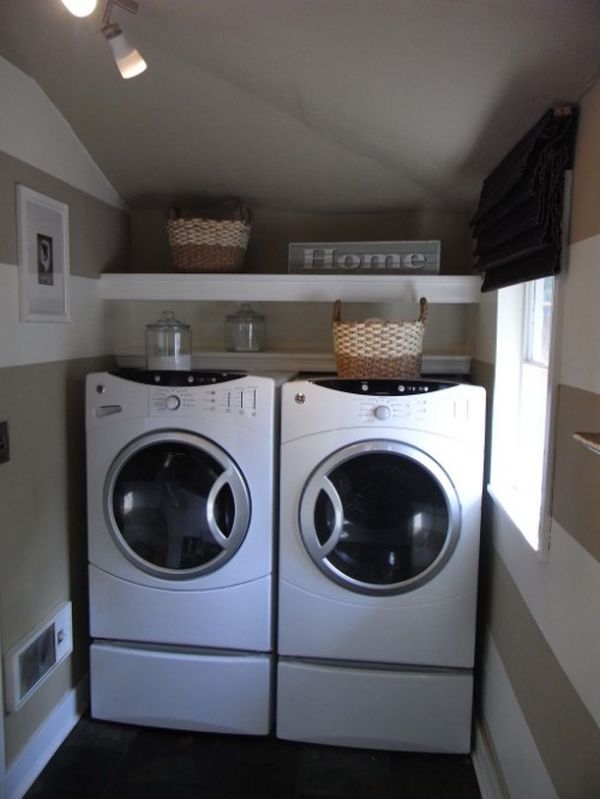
[521,405]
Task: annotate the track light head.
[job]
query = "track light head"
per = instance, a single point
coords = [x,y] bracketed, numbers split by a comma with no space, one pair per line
[128,59]
[80,8]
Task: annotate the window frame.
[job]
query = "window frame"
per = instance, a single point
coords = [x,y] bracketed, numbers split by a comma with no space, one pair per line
[543,534]
[534,522]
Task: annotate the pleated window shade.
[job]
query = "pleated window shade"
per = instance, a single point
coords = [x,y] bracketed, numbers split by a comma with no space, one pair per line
[518,224]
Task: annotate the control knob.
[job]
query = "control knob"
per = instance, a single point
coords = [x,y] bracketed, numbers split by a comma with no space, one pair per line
[172,402]
[382,412]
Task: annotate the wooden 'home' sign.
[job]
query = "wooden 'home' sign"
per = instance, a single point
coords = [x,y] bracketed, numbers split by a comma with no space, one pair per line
[365,257]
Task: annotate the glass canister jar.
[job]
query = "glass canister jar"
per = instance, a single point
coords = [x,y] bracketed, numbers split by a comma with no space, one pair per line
[245,330]
[168,344]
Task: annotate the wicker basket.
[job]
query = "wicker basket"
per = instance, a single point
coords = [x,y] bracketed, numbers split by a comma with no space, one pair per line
[377,348]
[199,244]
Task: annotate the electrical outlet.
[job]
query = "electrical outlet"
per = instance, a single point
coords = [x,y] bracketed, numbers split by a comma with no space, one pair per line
[4,443]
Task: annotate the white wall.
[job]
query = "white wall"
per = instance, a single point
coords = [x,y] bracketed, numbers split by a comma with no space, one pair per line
[33,130]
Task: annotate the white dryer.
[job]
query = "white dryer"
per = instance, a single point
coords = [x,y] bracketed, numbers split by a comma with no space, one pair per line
[180,545]
[380,500]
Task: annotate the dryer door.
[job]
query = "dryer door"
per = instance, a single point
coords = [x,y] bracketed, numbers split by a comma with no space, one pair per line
[379,517]
[176,504]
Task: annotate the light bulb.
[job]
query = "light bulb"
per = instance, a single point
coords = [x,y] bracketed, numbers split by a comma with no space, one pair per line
[80,8]
[129,61]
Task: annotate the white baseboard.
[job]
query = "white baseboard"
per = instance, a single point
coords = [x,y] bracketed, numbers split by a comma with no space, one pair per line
[484,765]
[44,743]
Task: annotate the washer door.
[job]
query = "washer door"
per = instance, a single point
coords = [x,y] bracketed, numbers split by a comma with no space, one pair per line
[176,504]
[379,517]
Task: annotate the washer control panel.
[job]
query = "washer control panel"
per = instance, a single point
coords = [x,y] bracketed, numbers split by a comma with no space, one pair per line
[224,399]
[391,409]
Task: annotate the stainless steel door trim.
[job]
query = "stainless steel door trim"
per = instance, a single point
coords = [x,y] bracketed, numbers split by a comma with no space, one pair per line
[231,476]
[319,479]
[319,550]
[230,479]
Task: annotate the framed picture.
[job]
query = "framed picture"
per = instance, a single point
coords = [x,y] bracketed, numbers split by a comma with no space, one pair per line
[43,236]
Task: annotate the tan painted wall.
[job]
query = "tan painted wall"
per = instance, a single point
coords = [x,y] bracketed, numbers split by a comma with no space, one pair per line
[98,232]
[585,219]
[272,231]
[43,543]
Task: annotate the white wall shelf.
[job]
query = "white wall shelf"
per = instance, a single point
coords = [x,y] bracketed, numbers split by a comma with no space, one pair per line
[590,441]
[296,361]
[291,288]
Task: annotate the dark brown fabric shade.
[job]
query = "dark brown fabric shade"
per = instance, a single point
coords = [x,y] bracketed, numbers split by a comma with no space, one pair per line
[518,224]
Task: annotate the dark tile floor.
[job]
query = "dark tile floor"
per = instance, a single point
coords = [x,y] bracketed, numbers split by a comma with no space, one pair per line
[101,760]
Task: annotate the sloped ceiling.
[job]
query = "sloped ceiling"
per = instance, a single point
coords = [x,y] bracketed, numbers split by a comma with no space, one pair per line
[308,105]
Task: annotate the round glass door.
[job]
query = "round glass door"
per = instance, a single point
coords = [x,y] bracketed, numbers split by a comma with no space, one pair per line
[176,504]
[379,517]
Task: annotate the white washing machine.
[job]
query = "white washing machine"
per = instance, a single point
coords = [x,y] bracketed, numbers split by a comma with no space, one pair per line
[380,499]
[181,473]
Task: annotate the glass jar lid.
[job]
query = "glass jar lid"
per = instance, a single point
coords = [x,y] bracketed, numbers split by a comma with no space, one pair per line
[245,313]
[168,321]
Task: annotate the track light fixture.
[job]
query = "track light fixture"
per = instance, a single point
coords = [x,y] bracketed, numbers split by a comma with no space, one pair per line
[127,58]
[80,8]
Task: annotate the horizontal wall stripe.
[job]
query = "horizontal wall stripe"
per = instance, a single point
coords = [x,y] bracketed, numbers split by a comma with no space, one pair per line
[524,773]
[99,233]
[38,134]
[89,334]
[561,593]
[580,366]
[565,733]
[576,498]
[585,220]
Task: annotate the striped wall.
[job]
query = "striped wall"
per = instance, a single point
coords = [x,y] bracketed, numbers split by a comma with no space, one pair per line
[539,650]
[42,370]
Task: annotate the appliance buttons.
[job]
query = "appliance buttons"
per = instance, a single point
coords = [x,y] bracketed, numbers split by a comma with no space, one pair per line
[382,412]
[172,402]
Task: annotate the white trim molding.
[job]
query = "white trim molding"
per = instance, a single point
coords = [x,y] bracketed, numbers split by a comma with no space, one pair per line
[484,765]
[44,743]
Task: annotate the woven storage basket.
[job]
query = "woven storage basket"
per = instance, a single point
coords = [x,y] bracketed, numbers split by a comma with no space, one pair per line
[377,348]
[208,245]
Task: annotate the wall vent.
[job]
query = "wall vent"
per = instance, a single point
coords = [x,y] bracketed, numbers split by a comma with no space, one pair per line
[28,664]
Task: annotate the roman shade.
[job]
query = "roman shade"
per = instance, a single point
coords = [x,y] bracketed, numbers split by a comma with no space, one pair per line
[518,224]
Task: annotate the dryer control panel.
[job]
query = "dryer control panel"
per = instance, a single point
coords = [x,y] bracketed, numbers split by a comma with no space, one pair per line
[313,406]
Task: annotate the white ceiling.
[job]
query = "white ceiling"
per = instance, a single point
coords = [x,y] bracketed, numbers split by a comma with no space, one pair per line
[308,105]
